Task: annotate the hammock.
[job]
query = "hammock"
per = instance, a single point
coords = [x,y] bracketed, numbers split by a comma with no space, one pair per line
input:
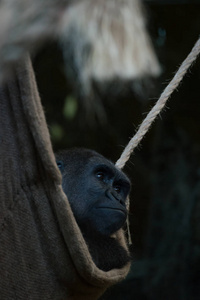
[42,252]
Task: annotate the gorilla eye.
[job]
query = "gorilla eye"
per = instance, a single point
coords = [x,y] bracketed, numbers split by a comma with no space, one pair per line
[117,188]
[60,165]
[100,175]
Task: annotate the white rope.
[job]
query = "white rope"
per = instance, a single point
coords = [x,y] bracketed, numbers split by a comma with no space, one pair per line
[147,122]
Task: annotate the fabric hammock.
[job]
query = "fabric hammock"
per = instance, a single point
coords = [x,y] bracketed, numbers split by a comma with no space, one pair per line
[42,252]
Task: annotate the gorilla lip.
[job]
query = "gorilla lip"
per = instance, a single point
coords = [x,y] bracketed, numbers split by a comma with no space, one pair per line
[112,208]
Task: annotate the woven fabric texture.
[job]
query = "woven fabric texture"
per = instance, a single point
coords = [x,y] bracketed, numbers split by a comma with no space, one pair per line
[42,252]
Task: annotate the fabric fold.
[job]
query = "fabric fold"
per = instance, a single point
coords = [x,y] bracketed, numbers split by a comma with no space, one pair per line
[42,252]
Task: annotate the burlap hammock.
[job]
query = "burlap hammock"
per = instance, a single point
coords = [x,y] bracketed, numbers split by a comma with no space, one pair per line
[42,252]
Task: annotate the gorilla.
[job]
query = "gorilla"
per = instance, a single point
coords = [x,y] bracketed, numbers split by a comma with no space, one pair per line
[97,192]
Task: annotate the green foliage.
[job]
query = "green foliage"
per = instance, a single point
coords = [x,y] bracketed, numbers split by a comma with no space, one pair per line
[70,107]
[57,132]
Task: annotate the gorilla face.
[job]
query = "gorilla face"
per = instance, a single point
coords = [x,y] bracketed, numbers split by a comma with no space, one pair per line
[96,189]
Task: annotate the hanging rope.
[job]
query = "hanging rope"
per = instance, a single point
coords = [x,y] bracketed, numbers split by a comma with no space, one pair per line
[147,122]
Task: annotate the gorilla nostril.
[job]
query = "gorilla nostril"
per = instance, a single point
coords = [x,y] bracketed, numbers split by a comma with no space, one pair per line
[121,202]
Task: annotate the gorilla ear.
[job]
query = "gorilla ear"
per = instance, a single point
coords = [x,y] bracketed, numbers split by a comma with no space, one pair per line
[60,165]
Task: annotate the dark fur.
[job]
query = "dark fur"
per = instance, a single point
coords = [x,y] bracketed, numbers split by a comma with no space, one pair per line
[106,252]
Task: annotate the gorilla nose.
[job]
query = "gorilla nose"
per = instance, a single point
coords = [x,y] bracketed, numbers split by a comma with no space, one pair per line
[112,195]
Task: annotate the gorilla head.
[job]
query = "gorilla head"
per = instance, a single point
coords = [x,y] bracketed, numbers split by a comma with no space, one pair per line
[97,192]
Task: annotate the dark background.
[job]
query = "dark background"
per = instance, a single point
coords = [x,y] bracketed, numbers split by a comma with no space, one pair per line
[165,168]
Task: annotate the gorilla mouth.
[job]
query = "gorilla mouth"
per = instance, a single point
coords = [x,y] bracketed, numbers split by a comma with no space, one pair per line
[113,208]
